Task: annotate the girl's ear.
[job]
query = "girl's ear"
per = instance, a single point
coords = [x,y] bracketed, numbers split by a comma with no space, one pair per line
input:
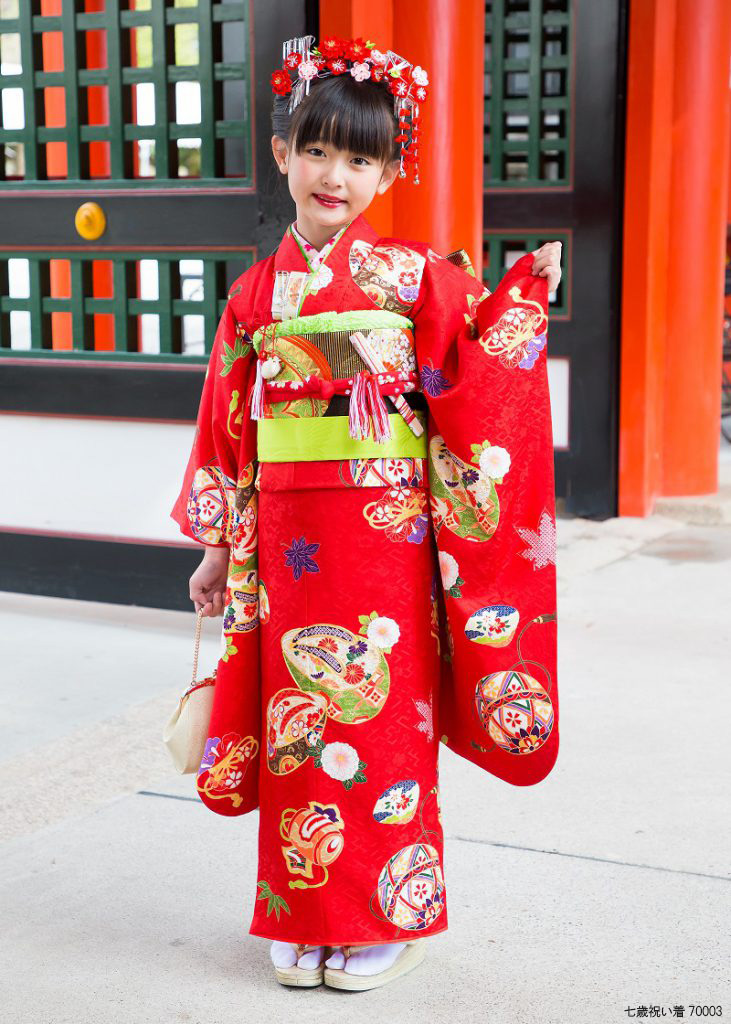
[280,151]
[388,177]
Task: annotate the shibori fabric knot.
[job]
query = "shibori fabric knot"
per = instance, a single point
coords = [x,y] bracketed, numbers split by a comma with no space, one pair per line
[409,84]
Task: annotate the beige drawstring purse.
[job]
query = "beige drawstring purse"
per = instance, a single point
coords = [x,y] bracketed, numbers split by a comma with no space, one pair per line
[186,732]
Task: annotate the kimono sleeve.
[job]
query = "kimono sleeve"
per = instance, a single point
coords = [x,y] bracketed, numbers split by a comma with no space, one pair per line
[217,506]
[482,360]
[224,440]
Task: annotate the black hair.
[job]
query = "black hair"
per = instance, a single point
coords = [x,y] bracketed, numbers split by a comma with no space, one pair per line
[355,116]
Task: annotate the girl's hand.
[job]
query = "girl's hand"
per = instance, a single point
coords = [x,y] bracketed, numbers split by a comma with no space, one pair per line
[208,582]
[547,263]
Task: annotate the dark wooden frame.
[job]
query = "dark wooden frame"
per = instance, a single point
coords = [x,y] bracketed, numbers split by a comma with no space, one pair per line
[591,211]
[153,575]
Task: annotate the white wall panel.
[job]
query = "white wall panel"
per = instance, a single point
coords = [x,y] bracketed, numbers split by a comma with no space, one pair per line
[95,477]
[558,387]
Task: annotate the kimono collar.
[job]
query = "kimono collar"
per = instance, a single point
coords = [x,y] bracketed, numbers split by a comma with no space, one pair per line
[315,256]
[291,256]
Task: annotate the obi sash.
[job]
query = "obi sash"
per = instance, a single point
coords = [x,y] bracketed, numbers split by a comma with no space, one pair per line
[320,438]
[302,363]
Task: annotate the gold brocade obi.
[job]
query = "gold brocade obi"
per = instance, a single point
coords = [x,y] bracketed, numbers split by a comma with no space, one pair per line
[308,362]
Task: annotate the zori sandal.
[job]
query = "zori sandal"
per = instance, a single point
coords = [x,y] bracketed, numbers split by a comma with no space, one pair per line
[304,977]
[409,958]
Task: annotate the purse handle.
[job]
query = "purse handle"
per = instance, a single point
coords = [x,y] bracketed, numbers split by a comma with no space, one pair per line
[198,623]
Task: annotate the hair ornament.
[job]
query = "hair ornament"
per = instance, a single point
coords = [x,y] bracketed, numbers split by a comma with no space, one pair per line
[408,83]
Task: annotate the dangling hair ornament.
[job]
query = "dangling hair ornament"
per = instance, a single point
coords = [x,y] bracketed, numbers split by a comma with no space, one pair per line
[334,56]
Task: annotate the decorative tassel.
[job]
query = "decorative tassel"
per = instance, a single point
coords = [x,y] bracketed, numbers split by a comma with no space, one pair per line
[378,411]
[358,425]
[368,352]
[257,392]
[367,407]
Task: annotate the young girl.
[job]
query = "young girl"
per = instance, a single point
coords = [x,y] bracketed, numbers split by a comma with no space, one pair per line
[372,478]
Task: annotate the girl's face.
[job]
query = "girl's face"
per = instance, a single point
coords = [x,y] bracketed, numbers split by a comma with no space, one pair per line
[321,170]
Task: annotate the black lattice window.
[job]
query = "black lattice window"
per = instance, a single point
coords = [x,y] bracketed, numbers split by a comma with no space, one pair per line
[500,251]
[160,302]
[150,90]
[527,92]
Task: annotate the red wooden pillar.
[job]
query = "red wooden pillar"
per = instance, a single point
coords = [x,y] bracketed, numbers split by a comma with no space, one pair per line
[646,270]
[676,181]
[697,217]
[447,38]
[373,20]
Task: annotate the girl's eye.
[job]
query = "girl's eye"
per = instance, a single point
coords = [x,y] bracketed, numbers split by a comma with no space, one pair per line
[316,149]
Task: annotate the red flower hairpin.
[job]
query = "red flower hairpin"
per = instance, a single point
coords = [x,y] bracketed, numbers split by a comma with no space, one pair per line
[301,62]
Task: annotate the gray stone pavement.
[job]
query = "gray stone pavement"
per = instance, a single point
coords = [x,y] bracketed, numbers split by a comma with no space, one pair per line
[606,886]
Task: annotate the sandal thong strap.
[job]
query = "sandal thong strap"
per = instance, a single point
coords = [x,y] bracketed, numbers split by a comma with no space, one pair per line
[348,951]
[302,948]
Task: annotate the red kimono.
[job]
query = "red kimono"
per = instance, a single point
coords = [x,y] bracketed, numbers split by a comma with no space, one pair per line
[376,604]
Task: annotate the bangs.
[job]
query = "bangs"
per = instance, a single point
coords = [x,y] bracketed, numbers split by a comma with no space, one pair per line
[354,116]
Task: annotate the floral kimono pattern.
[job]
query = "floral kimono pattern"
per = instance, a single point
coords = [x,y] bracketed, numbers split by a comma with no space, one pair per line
[375,606]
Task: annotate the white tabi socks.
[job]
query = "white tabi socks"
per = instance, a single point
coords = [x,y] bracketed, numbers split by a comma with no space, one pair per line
[365,962]
[284,954]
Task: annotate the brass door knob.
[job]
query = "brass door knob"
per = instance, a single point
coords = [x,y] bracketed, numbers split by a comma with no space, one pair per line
[90,221]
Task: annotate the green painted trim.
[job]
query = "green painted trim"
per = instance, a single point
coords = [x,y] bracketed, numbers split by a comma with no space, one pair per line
[33,102]
[209,164]
[530,147]
[169,307]
[321,438]
[203,16]
[351,320]
[77,163]
[116,99]
[494,268]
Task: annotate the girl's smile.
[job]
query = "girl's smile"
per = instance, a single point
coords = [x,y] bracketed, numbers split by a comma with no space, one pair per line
[331,201]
